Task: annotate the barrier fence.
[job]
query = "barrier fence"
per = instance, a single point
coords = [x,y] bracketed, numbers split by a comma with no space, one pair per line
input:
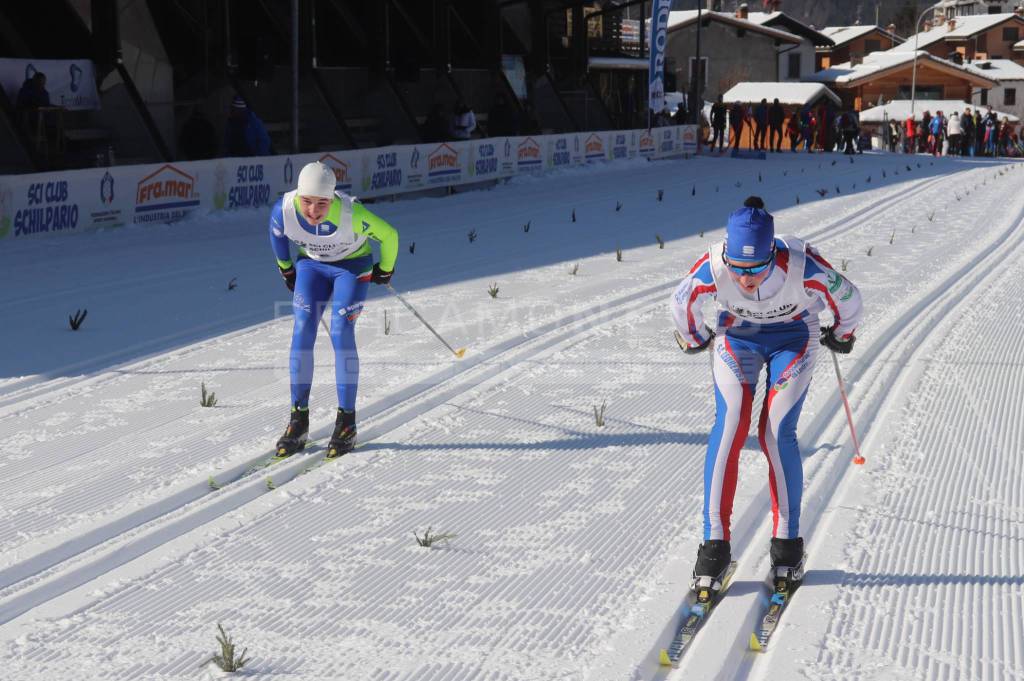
[79,200]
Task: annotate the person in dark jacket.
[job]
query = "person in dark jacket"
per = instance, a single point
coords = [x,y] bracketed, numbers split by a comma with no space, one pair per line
[245,134]
[718,120]
[967,133]
[760,124]
[736,118]
[776,115]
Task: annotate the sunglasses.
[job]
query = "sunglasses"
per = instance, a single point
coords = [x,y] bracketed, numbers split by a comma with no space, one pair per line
[750,270]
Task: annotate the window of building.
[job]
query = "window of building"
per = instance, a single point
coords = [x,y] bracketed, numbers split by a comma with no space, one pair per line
[984,97]
[872,46]
[922,92]
[1009,96]
[1010,34]
[793,66]
[703,68]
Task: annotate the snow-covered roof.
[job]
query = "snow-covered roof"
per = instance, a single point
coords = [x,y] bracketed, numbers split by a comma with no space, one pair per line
[841,35]
[681,18]
[900,109]
[1000,69]
[783,21]
[875,63]
[792,94]
[963,27]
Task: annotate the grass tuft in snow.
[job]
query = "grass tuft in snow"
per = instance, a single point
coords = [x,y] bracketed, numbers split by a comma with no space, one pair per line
[618,206]
[661,194]
[412,247]
[870,249]
[599,414]
[387,324]
[493,290]
[574,215]
[429,539]
[661,242]
[843,263]
[77,319]
[207,399]
[618,254]
[931,216]
[212,482]
[233,284]
[892,237]
[575,269]
[472,235]
[226,659]
[526,227]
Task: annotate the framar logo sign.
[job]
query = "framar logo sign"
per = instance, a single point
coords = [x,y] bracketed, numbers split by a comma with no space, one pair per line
[593,148]
[165,195]
[342,177]
[528,154]
[646,143]
[443,165]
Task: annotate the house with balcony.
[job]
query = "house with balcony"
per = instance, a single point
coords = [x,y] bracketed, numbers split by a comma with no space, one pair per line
[852,43]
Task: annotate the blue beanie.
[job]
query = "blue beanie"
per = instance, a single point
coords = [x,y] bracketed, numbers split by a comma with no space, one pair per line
[749,235]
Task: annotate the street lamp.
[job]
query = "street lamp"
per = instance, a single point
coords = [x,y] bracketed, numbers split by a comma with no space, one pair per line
[913,75]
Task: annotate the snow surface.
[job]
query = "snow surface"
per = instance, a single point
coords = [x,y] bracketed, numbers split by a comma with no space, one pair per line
[574,542]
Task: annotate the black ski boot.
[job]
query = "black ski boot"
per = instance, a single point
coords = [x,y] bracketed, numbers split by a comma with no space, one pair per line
[787,562]
[343,440]
[295,435]
[713,559]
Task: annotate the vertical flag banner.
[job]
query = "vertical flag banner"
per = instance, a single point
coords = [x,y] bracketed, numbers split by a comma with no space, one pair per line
[659,38]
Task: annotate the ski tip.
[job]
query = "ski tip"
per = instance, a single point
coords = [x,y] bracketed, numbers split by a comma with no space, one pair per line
[460,353]
[664,659]
[755,644]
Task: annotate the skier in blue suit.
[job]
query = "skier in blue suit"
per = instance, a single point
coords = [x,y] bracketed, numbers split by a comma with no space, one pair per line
[769,290]
[333,271]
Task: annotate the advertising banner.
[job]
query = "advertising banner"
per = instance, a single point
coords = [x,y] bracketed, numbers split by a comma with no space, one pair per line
[71,83]
[689,135]
[563,151]
[161,193]
[659,40]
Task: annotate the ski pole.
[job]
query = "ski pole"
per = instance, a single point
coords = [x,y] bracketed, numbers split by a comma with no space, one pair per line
[458,353]
[858,458]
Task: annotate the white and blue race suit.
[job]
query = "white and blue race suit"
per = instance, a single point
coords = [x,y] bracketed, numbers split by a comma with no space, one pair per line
[775,327]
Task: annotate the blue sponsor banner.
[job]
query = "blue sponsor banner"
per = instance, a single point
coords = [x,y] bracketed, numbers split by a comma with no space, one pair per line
[485,159]
[659,38]
[383,171]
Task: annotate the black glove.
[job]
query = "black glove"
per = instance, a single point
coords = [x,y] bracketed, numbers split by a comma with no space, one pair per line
[380,276]
[690,350]
[829,340]
[289,276]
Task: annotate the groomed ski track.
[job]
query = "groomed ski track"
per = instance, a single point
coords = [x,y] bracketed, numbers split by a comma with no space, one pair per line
[441,451]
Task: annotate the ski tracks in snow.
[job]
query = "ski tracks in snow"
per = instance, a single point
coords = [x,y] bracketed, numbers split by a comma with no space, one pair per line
[528,358]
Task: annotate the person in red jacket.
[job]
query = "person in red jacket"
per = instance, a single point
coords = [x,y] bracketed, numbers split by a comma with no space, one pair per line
[909,135]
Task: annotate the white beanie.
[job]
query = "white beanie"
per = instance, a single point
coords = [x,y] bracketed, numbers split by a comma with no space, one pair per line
[316,179]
